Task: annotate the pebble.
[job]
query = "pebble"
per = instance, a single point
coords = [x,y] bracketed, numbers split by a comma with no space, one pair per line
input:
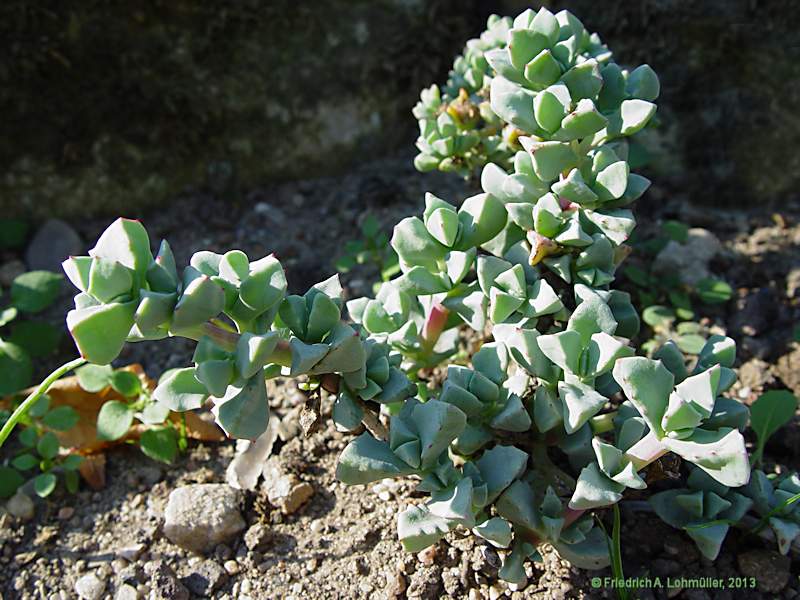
[198,517]
[54,242]
[257,537]
[285,491]
[164,584]
[126,592]
[65,513]
[365,587]
[231,567]
[149,475]
[396,585]
[21,506]
[90,587]
[793,283]
[131,553]
[428,555]
[317,526]
[359,566]
[206,578]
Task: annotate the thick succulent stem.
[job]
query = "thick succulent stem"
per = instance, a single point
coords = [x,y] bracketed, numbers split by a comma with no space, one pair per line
[571,515]
[225,339]
[32,398]
[282,355]
[603,423]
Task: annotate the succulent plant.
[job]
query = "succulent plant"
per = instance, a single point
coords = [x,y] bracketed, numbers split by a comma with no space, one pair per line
[544,81]
[704,510]
[775,501]
[558,393]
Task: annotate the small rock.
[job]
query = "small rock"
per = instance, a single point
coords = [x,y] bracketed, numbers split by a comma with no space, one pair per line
[164,584]
[428,555]
[691,259]
[317,526]
[205,579]
[21,506]
[663,567]
[257,538]
[53,244]
[491,557]
[90,587]
[65,513]
[126,592]
[671,548]
[396,585]
[793,283]
[754,374]
[770,569]
[131,553]
[674,591]
[285,491]
[426,583]
[452,582]
[231,567]
[200,516]
[365,587]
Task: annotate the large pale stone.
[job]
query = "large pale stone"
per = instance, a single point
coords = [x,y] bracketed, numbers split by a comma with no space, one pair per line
[200,516]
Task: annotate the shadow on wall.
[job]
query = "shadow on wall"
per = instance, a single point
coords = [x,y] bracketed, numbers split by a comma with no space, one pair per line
[113,105]
[730,77]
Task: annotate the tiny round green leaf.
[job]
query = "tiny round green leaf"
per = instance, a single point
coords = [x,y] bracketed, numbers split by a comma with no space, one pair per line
[36,290]
[113,420]
[44,484]
[94,378]
[713,291]
[48,445]
[126,383]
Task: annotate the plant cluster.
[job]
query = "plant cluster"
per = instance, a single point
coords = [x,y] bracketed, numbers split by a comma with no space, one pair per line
[39,459]
[539,75]
[161,439]
[556,416]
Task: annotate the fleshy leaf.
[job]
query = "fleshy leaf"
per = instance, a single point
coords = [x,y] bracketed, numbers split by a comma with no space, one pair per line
[180,390]
[243,412]
[366,459]
[418,528]
[647,384]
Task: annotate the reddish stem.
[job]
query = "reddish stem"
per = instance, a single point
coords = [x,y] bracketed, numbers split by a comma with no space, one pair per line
[434,325]
[571,515]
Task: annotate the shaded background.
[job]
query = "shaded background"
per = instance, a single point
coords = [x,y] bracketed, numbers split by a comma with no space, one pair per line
[110,106]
